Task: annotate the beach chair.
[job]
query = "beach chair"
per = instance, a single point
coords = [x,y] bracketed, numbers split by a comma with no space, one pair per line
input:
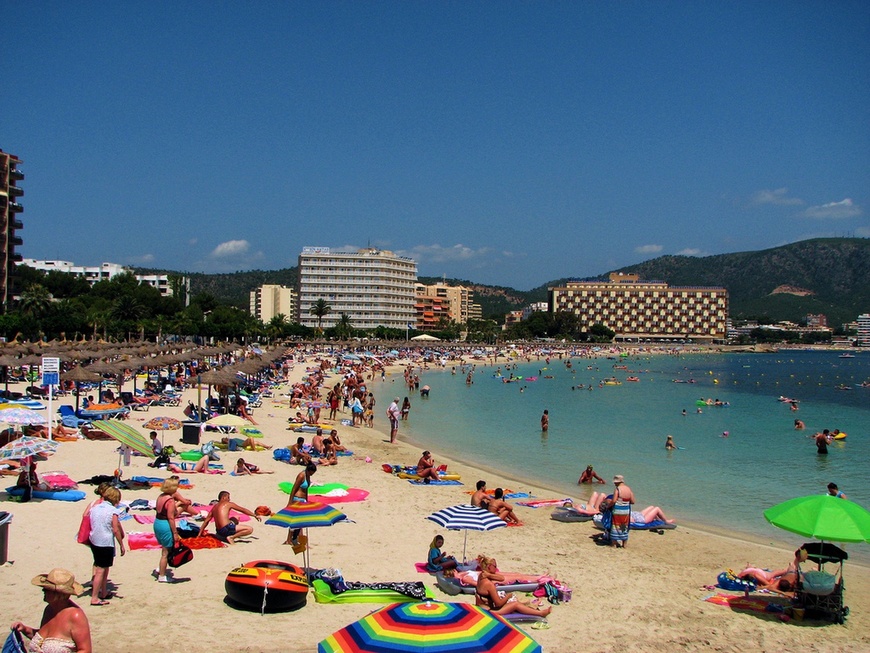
[818,592]
[69,418]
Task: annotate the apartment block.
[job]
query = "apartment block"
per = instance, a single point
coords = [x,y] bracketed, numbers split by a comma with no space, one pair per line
[10,209]
[270,300]
[645,310]
[373,287]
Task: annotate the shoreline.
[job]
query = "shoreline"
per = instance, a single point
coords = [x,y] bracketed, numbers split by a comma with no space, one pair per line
[651,591]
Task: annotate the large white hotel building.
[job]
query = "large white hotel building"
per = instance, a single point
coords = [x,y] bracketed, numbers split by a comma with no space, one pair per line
[373,287]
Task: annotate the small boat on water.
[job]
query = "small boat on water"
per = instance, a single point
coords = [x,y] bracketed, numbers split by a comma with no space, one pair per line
[847,355]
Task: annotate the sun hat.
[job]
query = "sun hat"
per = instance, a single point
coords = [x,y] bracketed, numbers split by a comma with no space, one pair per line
[618,479]
[59,580]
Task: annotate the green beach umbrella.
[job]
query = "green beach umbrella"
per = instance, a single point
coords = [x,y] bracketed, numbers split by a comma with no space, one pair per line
[822,517]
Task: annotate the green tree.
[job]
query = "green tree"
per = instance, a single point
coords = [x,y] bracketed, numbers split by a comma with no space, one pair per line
[35,301]
[320,309]
[343,328]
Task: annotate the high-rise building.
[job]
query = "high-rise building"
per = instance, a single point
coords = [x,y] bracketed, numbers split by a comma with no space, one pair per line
[456,303]
[864,330]
[10,207]
[373,287]
[270,300]
[645,310]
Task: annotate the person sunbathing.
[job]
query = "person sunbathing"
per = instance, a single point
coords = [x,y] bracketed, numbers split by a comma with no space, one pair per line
[782,580]
[502,508]
[236,444]
[426,468]
[487,595]
[245,469]
[649,514]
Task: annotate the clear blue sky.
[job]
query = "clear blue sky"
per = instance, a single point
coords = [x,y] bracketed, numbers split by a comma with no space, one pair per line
[508,143]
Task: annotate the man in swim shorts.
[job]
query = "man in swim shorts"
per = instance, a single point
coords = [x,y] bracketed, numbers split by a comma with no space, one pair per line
[227,528]
[480,498]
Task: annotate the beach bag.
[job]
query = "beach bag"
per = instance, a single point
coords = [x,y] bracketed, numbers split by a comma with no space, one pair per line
[14,643]
[84,534]
[180,555]
[552,593]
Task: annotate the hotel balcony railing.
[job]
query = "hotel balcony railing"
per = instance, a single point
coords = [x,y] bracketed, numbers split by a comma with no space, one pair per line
[16,174]
[16,207]
[16,241]
[15,191]
[16,224]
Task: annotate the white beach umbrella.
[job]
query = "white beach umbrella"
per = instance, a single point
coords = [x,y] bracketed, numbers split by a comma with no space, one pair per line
[466,517]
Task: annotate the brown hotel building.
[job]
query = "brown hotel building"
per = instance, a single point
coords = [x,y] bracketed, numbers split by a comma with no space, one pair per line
[644,310]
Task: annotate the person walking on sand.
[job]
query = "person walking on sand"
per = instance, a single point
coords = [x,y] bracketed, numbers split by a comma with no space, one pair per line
[545,421]
[227,528]
[393,414]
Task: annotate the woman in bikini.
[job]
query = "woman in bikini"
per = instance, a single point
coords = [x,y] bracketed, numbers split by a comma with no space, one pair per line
[64,627]
[783,580]
[299,494]
[489,596]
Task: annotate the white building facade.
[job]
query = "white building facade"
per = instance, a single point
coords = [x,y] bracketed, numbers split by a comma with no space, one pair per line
[373,287]
[96,273]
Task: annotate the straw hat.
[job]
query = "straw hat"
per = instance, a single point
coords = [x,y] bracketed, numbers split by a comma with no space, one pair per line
[59,580]
[618,479]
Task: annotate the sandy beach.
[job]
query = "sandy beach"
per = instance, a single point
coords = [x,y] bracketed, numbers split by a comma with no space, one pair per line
[648,597]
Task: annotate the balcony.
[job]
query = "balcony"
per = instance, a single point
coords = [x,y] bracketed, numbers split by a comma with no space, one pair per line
[15,241]
[16,174]
[15,191]
[16,224]
[16,207]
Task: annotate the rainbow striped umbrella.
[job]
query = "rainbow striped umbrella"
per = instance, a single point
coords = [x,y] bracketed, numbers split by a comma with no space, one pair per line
[430,627]
[306,514]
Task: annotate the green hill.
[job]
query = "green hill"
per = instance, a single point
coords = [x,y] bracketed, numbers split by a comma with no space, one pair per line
[823,275]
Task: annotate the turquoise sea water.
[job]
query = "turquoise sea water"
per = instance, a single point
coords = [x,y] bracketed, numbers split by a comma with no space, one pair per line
[722,482]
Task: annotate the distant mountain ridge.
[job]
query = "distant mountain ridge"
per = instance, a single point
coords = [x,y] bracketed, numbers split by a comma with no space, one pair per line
[823,275]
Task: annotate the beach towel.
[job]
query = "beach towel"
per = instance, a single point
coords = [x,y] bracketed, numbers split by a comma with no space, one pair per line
[752,603]
[619,523]
[422,568]
[539,503]
[156,481]
[517,495]
[431,482]
[350,495]
[146,541]
[59,481]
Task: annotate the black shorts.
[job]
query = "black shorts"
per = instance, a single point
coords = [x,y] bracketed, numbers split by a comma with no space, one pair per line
[104,556]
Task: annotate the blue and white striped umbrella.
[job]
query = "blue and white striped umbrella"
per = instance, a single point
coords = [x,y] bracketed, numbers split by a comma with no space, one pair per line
[466,517]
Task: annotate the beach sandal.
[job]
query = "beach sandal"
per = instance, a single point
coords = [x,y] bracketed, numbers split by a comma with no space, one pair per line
[541,625]
[100,602]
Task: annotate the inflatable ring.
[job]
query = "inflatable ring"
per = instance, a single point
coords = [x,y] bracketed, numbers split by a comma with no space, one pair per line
[267,586]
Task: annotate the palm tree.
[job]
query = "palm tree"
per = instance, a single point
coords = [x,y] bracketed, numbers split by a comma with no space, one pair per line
[320,309]
[35,300]
[344,328]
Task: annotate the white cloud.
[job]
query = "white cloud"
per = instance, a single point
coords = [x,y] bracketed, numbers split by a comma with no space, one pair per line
[834,210]
[648,249]
[140,260]
[231,248]
[778,197]
[438,254]
[690,251]
[863,232]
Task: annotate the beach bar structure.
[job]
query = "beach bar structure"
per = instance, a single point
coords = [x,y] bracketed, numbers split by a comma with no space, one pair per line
[373,287]
[645,310]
